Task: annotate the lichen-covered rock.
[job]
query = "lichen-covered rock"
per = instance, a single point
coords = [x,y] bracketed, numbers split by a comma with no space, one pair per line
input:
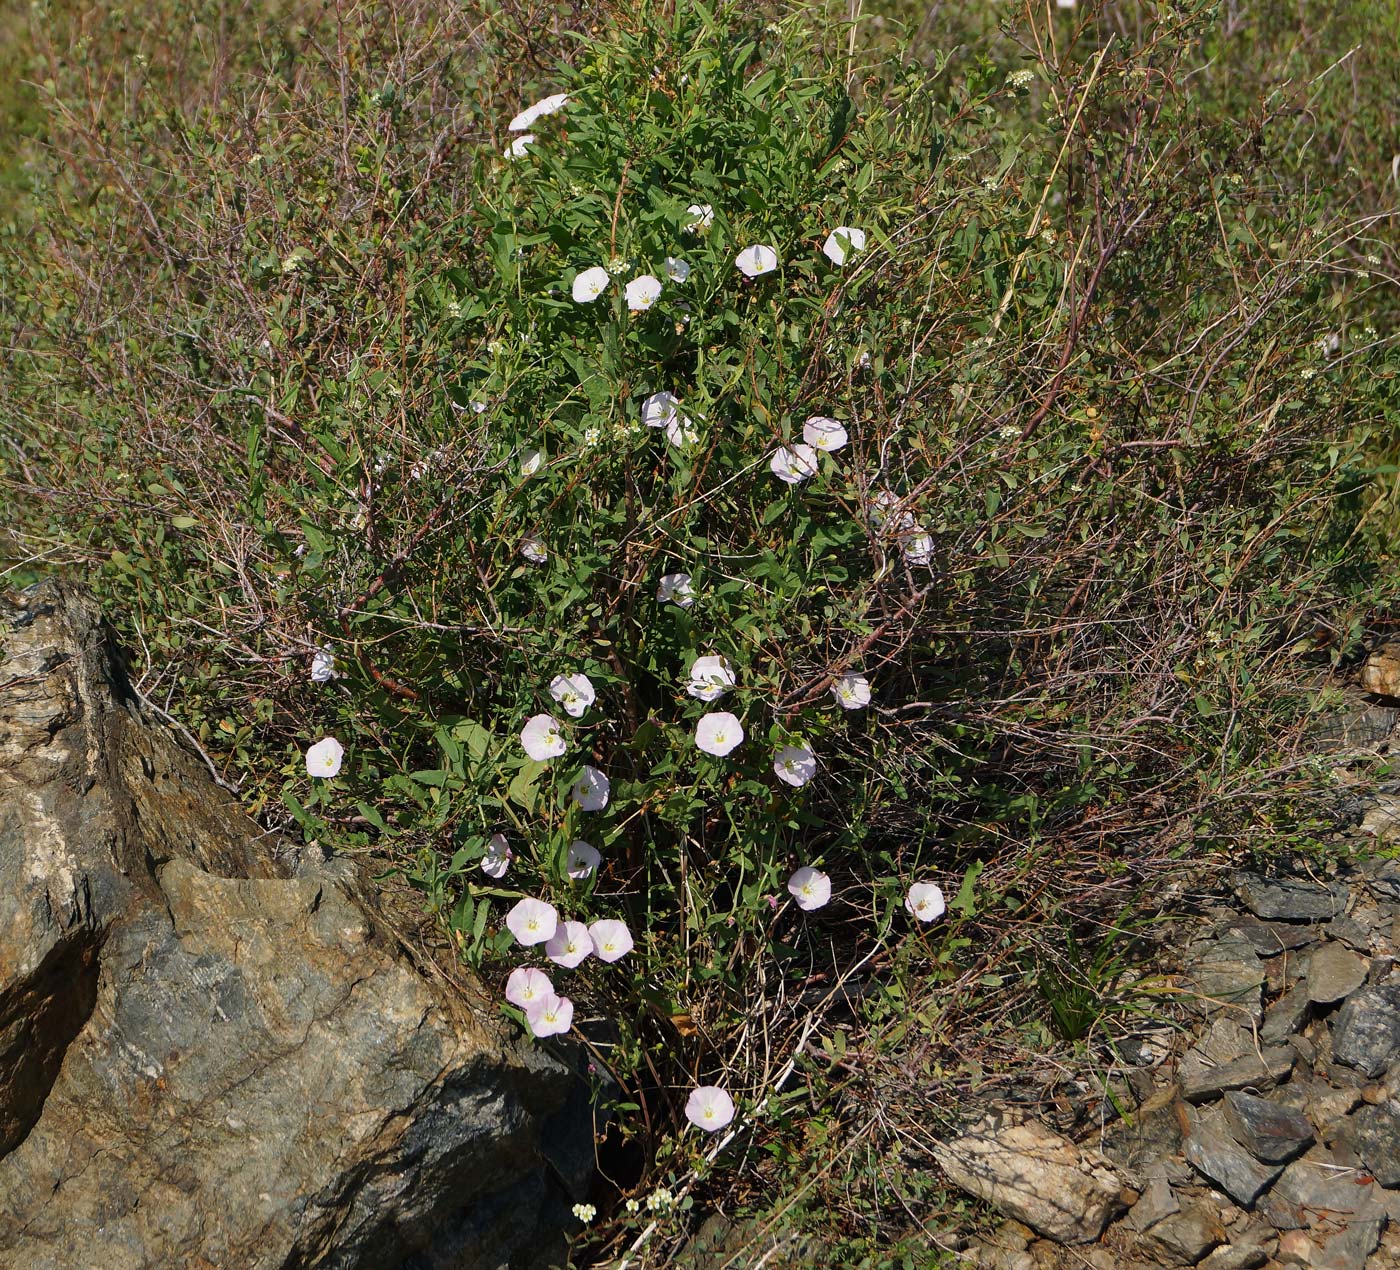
[213,1055]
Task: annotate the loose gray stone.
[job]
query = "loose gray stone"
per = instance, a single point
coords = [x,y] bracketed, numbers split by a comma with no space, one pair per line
[1383,880]
[1227,976]
[1290,899]
[1374,1134]
[1352,1246]
[1351,932]
[1367,1031]
[1146,1143]
[1157,1201]
[1187,1236]
[1315,1185]
[1270,1132]
[1269,939]
[1355,729]
[1334,973]
[1227,1059]
[1036,1176]
[1235,1257]
[1214,1152]
[1286,1016]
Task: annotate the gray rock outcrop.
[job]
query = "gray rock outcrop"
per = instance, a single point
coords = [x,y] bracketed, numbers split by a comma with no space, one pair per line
[214,1055]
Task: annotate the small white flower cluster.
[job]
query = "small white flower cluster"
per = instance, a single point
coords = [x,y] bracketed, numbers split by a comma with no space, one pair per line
[584,1212]
[660,1199]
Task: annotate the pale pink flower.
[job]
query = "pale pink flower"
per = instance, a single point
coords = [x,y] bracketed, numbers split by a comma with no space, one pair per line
[795,764]
[592,790]
[826,435]
[551,1017]
[498,856]
[532,921]
[660,409]
[526,118]
[925,901]
[718,733]
[583,860]
[852,692]
[675,588]
[526,986]
[542,738]
[611,939]
[842,243]
[573,692]
[570,945]
[810,887]
[710,678]
[709,1108]
[590,284]
[642,292]
[756,260]
[323,759]
[323,666]
[793,463]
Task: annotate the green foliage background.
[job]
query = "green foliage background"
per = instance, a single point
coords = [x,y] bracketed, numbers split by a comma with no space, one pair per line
[1122,342]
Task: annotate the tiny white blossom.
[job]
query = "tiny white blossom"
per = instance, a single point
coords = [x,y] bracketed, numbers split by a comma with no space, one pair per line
[590,284]
[710,678]
[591,791]
[534,550]
[323,666]
[793,463]
[591,436]
[810,887]
[551,1017]
[842,243]
[611,939]
[642,292]
[795,764]
[573,692]
[542,738]
[754,261]
[324,758]
[532,921]
[584,1212]
[718,733]
[677,269]
[925,901]
[826,435]
[852,692]
[570,945]
[675,588]
[498,856]
[708,1108]
[702,216]
[526,118]
[584,859]
[520,147]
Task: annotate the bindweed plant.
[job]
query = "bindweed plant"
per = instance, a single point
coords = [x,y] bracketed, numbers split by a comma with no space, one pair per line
[752,536]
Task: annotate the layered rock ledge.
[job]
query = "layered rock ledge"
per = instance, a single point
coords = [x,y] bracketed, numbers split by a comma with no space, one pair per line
[212,1050]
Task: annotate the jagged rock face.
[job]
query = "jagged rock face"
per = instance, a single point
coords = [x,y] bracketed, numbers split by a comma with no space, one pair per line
[213,1055]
